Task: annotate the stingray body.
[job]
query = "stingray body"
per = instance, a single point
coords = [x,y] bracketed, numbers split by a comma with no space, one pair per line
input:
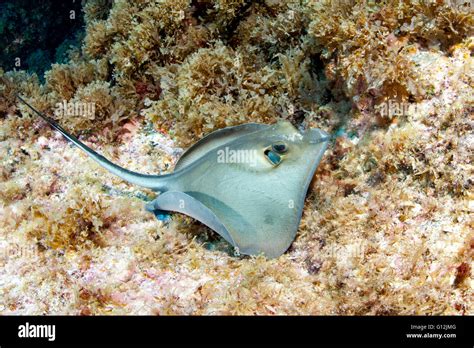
[248,183]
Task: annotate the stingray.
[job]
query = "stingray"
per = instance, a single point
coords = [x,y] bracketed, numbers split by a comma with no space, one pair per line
[247,183]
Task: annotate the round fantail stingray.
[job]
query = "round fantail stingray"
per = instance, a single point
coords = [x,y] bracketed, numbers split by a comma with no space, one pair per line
[247,183]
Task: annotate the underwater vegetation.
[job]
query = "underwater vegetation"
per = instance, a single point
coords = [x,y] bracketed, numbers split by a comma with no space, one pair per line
[387,225]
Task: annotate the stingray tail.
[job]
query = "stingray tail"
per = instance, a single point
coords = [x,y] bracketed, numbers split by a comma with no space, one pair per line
[154,182]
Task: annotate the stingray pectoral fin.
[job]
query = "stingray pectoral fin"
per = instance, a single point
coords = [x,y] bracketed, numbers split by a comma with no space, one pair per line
[183,203]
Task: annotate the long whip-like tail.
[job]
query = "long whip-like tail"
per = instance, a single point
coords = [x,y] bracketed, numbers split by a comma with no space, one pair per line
[154,182]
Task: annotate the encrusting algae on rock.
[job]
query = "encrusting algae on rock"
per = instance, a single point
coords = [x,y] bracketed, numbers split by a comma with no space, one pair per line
[387,225]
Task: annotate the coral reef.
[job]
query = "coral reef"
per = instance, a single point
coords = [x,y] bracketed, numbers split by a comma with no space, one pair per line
[387,226]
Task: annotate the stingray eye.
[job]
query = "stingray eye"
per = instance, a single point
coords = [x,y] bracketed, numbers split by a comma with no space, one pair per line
[273,157]
[280,147]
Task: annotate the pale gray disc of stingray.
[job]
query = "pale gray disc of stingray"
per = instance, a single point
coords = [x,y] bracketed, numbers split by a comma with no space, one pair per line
[248,183]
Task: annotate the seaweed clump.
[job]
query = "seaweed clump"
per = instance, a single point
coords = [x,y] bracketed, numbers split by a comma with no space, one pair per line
[370,48]
[157,61]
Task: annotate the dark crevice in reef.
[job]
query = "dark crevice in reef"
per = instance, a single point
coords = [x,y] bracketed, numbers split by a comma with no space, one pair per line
[244,11]
[37,34]
[200,10]
[316,70]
